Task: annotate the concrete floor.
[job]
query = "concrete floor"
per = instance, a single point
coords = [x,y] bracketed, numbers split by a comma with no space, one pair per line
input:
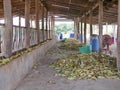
[42,77]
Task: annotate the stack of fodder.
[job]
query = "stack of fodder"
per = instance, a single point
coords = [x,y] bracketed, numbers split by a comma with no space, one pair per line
[71,44]
[87,66]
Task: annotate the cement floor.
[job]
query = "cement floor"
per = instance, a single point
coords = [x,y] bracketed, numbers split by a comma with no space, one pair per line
[42,77]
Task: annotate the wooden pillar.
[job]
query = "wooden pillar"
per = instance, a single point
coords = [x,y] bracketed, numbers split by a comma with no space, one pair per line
[30,21]
[118,38]
[43,22]
[19,32]
[46,24]
[37,19]
[75,29]
[100,20]
[78,27]
[19,26]
[27,23]
[8,32]
[85,29]
[19,22]
[52,27]
[49,26]
[91,23]
[81,31]
[77,24]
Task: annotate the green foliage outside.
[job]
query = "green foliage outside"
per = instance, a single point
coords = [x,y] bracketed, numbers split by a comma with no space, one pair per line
[64,28]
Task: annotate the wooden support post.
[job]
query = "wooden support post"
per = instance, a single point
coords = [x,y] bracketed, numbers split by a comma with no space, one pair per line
[75,29]
[43,22]
[78,27]
[49,26]
[40,24]
[46,24]
[27,23]
[100,20]
[81,31]
[118,38]
[37,19]
[8,32]
[19,25]
[85,29]
[52,27]
[19,22]
[19,32]
[31,22]
[91,23]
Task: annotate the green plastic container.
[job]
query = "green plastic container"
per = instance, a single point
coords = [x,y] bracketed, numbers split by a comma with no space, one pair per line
[85,49]
[64,40]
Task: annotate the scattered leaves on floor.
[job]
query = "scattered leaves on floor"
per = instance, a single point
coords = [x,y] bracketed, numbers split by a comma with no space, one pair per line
[86,66]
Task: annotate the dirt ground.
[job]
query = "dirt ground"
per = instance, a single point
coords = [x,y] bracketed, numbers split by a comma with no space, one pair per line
[42,77]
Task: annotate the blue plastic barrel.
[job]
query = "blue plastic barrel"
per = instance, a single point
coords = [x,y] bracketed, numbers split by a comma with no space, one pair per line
[71,35]
[61,36]
[94,43]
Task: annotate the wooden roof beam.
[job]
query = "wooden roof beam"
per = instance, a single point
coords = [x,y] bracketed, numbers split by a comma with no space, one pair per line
[96,5]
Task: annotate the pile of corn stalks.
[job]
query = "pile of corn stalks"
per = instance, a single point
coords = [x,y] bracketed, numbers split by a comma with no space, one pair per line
[86,66]
[4,61]
[71,44]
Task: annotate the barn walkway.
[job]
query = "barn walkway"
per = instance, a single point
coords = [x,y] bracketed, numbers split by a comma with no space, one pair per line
[42,77]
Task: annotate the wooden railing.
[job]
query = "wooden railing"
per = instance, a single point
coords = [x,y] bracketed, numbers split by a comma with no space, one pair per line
[19,37]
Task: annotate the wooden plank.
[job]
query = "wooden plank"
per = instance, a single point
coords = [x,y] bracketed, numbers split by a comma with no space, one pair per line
[8,32]
[94,7]
[90,23]
[100,22]
[27,23]
[118,38]
[37,20]
[85,29]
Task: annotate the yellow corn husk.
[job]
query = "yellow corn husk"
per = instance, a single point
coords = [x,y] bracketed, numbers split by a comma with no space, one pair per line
[71,44]
[87,66]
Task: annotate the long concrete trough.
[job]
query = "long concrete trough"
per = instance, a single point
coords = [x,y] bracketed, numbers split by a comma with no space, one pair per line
[12,73]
